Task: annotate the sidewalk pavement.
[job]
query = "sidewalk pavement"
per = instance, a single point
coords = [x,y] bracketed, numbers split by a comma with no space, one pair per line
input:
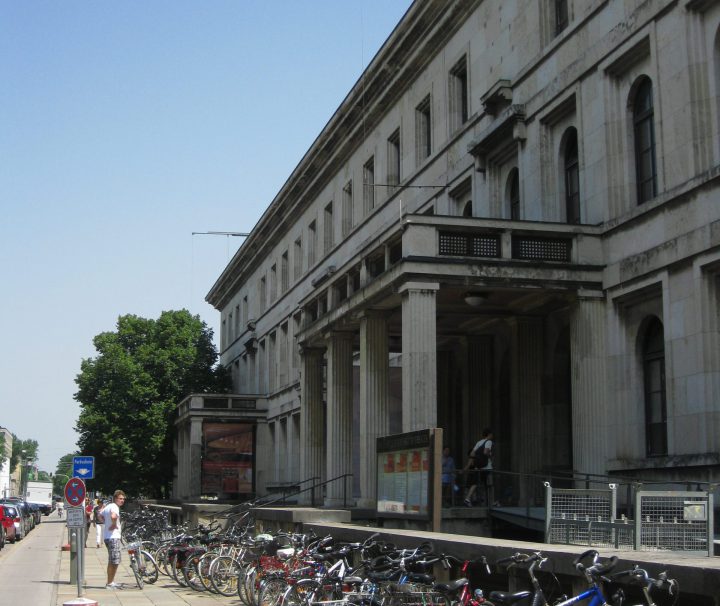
[164,592]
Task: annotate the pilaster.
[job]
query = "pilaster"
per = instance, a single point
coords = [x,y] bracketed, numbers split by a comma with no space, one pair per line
[374,422]
[339,418]
[312,415]
[589,386]
[419,355]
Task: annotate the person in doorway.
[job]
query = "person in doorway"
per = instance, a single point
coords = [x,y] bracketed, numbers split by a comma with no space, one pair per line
[480,462]
[98,521]
[448,475]
[112,534]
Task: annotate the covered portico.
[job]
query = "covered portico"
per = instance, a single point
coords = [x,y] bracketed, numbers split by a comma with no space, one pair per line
[456,323]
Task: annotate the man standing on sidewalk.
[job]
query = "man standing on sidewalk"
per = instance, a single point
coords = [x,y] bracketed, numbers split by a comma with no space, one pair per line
[111,535]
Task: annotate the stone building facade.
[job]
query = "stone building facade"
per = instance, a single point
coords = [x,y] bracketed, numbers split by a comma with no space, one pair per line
[513,221]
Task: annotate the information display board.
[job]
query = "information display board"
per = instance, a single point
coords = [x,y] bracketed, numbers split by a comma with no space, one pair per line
[405,474]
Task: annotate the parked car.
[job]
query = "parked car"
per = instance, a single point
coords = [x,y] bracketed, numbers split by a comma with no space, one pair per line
[7,521]
[26,514]
[16,516]
[36,511]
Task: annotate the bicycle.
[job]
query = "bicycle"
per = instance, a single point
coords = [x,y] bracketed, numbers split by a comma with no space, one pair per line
[142,564]
[593,574]
[459,590]
[640,576]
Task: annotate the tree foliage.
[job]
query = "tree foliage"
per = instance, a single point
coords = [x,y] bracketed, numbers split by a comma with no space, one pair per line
[128,394]
[63,472]
[30,455]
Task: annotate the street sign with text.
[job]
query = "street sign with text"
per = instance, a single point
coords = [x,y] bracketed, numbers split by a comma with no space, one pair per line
[84,467]
[75,517]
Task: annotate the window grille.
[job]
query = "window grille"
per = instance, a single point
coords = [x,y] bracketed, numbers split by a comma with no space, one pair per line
[469,245]
[532,248]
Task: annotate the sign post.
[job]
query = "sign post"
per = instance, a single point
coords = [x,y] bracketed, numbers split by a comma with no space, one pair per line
[75,492]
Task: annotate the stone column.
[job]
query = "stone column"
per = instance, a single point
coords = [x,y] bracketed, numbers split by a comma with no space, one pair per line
[339,418]
[588,355]
[195,446]
[419,355]
[374,422]
[312,417]
[526,398]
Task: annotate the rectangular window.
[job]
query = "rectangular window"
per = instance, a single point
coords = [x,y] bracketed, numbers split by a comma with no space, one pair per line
[423,131]
[237,321]
[272,363]
[262,364]
[311,244]
[262,288]
[284,272]
[561,15]
[283,364]
[231,328]
[329,240]
[393,161]
[369,185]
[298,258]
[245,312]
[223,335]
[458,93]
[347,208]
[273,283]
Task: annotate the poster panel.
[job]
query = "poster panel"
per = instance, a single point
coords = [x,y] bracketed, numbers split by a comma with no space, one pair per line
[227,462]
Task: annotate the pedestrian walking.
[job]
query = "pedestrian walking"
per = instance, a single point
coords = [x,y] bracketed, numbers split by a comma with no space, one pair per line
[479,465]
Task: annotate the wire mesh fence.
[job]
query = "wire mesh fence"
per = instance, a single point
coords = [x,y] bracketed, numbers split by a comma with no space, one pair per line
[664,520]
[674,521]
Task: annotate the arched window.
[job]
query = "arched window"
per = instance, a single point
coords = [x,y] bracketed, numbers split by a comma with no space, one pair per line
[572,177]
[644,139]
[513,194]
[653,353]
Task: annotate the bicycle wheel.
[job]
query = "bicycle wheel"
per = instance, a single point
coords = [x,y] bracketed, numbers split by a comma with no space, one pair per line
[271,591]
[246,585]
[224,572]
[138,577]
[190,574]
[148,568]
[176,567]
[304,593]
[203,569]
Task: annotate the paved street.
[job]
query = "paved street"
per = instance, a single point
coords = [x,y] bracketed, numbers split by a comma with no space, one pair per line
[35,571]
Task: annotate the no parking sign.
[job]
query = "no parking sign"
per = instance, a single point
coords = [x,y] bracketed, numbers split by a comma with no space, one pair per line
[75,492]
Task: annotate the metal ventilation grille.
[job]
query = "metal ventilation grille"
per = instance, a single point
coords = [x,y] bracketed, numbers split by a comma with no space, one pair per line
[469,245]
[541,249]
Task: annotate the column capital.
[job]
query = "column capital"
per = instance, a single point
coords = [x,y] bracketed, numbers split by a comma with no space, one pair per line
[418,286]
[340,335]
[306,350]
[379,314]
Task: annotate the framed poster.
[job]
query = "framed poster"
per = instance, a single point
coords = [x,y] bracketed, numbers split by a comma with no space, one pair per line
[405,474]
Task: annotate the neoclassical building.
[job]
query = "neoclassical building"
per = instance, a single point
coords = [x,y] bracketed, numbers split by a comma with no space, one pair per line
[512,220]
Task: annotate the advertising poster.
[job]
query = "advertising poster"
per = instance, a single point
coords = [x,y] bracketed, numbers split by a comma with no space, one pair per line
[227,459]
[404,475]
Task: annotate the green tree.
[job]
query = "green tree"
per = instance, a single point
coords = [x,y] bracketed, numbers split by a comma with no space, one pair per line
[30,448]
[63,472]
[128,394]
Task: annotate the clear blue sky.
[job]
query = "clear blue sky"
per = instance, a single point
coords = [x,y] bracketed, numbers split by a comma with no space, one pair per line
[124,127]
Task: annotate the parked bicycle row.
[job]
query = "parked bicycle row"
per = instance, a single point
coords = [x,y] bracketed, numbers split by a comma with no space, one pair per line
[287,569]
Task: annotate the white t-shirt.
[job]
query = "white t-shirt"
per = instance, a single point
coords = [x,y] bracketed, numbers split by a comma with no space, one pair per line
[488,446]
[107,512]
